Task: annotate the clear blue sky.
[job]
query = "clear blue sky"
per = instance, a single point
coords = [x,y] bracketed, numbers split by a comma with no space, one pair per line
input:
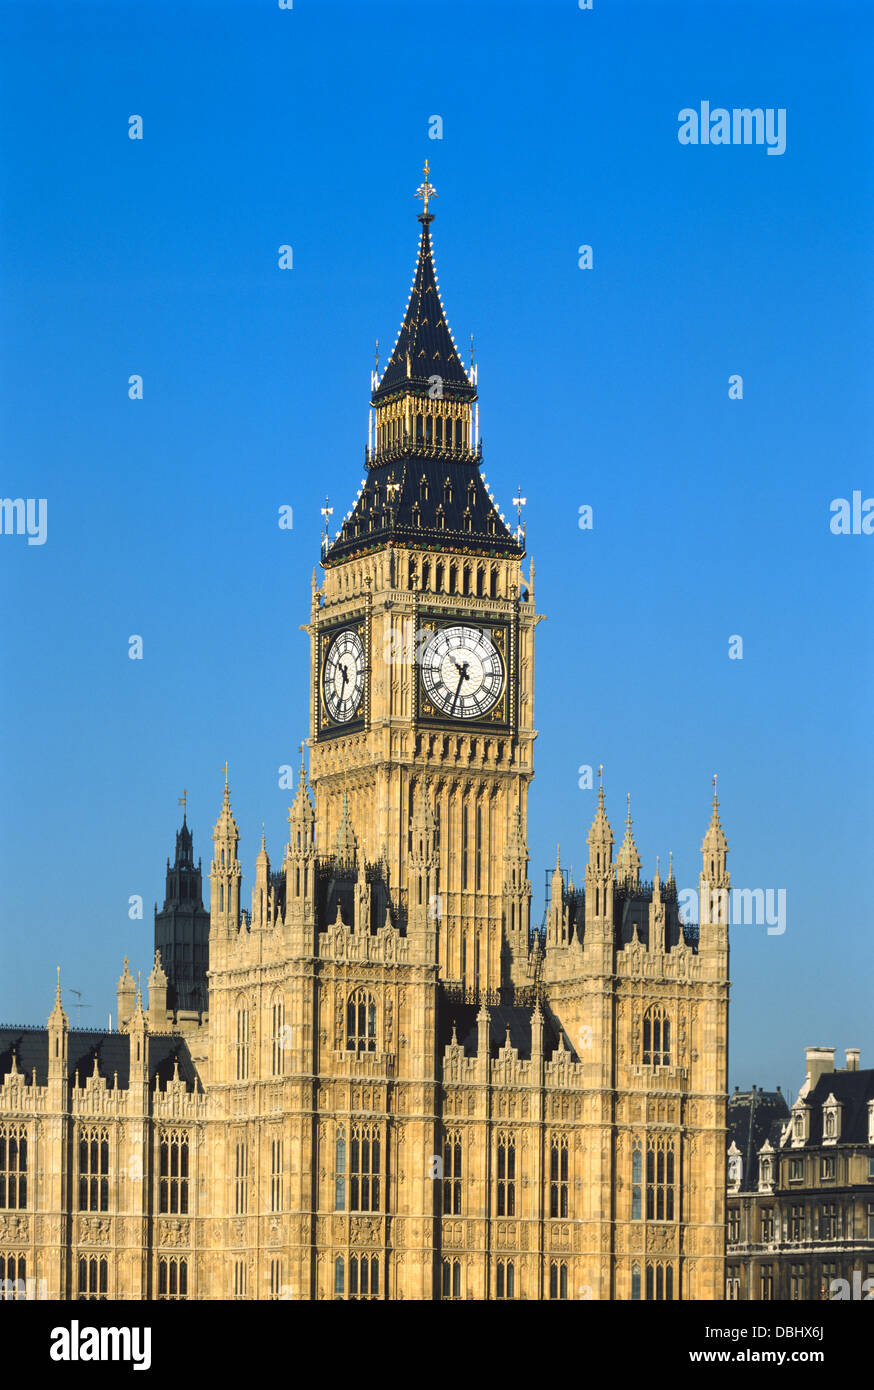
[607,387]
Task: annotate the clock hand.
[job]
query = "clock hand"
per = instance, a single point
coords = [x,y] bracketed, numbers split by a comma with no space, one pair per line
[461,679]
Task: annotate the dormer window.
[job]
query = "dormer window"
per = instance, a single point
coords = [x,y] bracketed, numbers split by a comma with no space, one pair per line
[800,1124]
[423,488]
[468,520]
[417,515]
[447,491]
[471,494]
[766,1168]
[441,517]
[831,1120]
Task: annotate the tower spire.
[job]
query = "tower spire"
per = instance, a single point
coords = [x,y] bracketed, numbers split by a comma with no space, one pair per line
[628,858]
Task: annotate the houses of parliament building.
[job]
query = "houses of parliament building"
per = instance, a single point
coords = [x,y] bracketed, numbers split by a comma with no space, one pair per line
[380,1080]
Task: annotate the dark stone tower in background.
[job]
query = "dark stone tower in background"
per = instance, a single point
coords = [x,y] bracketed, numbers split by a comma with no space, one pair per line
[182,930]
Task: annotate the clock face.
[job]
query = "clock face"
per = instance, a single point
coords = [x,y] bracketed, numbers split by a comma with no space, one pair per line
[343,680]
[462,672]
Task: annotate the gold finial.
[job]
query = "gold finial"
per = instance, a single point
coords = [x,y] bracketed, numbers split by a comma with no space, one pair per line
[183,801]
[225,771]
[426,191]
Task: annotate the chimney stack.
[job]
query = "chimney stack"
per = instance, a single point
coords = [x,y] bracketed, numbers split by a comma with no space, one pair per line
[853,1055]
[819,1061]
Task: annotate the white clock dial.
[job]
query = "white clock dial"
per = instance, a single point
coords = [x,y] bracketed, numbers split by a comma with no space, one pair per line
[343,679]
[462,672]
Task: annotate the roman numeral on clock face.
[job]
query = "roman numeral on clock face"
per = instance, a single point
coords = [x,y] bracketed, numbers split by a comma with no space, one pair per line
[462,672]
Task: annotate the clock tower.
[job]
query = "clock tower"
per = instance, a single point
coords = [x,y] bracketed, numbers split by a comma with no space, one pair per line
[422,659]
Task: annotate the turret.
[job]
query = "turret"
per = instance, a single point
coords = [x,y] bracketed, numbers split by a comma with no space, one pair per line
[714,895]
[657,916]
[556,918]
[517,901]
[600,878]
[225,872]
[424,899]
[714,882]
[125,992]
[182,928]
[300,858]
[58,1028]
[157,995]
[628,859]
[262,893]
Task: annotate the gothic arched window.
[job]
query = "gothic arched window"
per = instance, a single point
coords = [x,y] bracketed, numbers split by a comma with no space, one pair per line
[13,1168]
[558,1176]
[365,1157]
[361,1022]
[242,1044]
[506,1178]
[279,1032]
[173,1172]
[660,1180]
[656,1050]
[452,1174]
[94,1170]
[637,1182]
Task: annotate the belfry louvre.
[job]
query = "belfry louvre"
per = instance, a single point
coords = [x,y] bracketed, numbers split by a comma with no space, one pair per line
[380,1080]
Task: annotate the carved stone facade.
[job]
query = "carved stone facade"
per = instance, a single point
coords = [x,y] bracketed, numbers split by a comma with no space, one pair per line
[399,1090]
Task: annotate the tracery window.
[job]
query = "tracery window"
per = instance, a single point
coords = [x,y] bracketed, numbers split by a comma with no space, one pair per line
[506,1176]
[173,1172]
[656,1037]
[242,1048]
[93,1273]
[340,1170]
[660,1180]
[94,1170]
[172,1277]
[276,1166]
[279,1035]
[364,1276]
[364,1168]
[361,1022]
[241,1179]
[637,1181]
[13,1277]
[505,1279]
[558,1279]
[451,1279]
[558,1176]
[659,1281]
[452,1175]
[13,1167]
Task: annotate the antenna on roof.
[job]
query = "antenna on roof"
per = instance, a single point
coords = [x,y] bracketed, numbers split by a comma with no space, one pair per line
[79,1006]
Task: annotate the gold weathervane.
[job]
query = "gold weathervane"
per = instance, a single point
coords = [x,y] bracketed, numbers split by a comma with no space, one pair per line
[426,190]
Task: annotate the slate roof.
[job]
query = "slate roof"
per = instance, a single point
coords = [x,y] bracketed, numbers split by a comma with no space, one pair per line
[854,1089]
[425,336]
[425,495]
[31,1046]
[753,1117]
[518,1016]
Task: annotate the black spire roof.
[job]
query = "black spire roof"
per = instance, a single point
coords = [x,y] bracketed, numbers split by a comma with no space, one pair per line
[422,490]
[425,347]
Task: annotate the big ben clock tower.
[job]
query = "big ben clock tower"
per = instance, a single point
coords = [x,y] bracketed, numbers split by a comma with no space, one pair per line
[422,656]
